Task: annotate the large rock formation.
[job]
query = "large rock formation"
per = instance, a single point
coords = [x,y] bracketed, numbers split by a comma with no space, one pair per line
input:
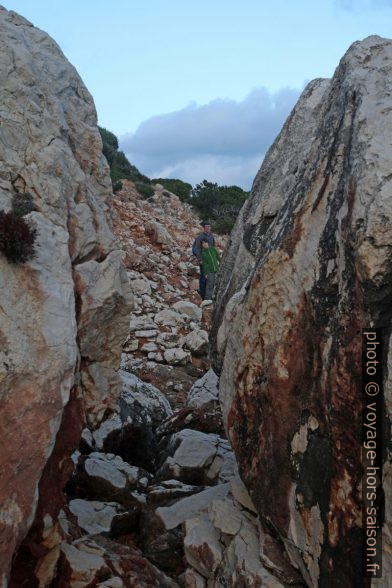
[63,315]
[308,265]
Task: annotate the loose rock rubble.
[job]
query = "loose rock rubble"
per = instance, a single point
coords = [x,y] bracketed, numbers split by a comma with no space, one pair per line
[166,328]
[185,514]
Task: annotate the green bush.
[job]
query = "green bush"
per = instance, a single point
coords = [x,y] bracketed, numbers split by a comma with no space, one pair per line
[219,204]
[108,138]
[144,190]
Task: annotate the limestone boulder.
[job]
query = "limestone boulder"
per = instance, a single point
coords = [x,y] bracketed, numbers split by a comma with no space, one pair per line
[204,391]
[101,562]
[158,234]
[202,545]
[169,318]
[177,356]
[197,458]
[95,517]
[307,267]
[106,476]
[144,399]
[64,312]
[197,342]
[140,286]
[130,431]
[186,508]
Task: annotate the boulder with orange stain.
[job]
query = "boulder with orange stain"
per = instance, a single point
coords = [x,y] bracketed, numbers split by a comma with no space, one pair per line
[308,265]
[63,314]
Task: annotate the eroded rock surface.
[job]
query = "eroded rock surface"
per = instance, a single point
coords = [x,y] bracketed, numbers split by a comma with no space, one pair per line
[63,314]
[308,265]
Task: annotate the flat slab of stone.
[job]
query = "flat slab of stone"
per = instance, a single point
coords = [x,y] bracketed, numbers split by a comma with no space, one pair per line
[188,507]
[95,516]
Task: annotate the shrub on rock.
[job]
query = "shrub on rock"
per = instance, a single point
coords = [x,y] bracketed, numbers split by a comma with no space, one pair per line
[17,238]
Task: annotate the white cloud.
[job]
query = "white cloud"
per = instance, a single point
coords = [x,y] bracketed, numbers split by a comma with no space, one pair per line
[361,5]
[222,141]
[225,170]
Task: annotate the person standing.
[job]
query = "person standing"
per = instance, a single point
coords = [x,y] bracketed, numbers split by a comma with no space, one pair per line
[206,234]
[210,265]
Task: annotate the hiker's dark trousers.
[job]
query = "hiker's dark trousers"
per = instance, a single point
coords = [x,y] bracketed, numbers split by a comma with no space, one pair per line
[202,284]
[210,285]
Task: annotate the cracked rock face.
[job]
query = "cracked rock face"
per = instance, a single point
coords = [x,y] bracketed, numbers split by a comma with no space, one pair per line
[308,265]
[63,315]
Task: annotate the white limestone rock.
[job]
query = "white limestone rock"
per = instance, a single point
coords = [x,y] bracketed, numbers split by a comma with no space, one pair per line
[142,398]
[96,517]
[197,342]
[188,308]
[204,391]
[169,318]
[202,546]
[177,356]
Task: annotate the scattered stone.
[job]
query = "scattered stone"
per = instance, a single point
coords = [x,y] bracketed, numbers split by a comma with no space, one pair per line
[83,566]
[149,347]
[107,431]
[241,494]
[140,286]
[103,517]
[177,356]
[197,458]
[196,342]
[142,398]
[158,234]
[131,345]
[207,418]
[146,334]
[188,507]
[142,323]
[168,340]
[163,547]
[88,561]
[156,357]
[107,476]
[188,308]
[169,318]
[168,491]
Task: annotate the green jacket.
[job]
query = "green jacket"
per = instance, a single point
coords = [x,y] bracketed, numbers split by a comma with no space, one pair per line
[210,260]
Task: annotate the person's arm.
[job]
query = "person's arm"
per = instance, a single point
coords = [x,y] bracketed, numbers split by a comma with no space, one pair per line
[198,247]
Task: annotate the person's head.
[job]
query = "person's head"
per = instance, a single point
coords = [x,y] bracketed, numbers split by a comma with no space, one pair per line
[206,227]
[205,244]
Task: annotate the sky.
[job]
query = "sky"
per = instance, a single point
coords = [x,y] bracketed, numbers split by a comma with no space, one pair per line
[200,89]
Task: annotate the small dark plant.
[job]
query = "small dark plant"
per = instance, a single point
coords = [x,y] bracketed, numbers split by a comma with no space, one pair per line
[117,186]
[22,204]
[16,238]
